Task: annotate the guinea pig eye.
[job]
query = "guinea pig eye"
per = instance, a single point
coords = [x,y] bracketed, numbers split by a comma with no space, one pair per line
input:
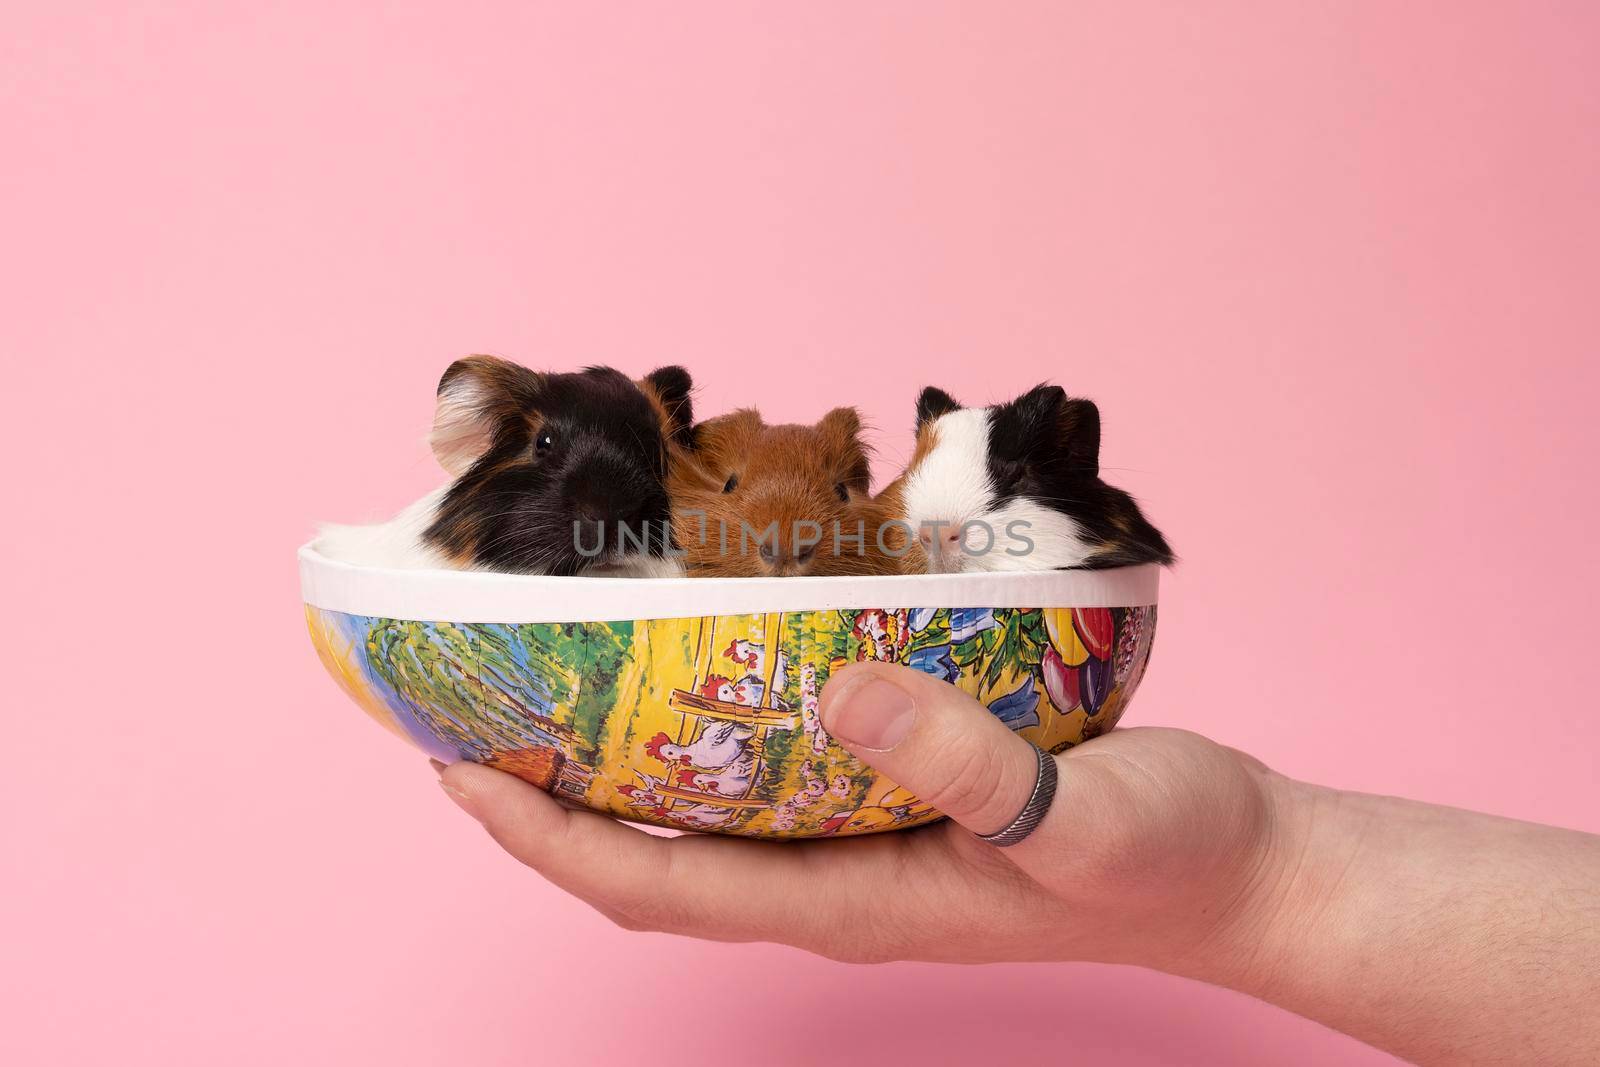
[844,493]
[731,484]
[544,442]
[1007,474]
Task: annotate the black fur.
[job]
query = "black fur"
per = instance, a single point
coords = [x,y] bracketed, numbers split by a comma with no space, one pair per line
[932,403]
[1045,445]
[603,466]
[673,386]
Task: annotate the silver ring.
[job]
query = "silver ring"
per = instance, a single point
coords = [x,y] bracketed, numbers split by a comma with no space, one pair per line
[1034,811]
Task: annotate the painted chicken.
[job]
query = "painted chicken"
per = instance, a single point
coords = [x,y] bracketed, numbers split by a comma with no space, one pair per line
[746,692]
[780,672]
[699,817]
[718,746]
[732,781]
[744,651]
[645,794]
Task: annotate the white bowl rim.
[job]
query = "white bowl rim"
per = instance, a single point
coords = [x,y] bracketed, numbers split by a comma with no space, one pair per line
[483,597]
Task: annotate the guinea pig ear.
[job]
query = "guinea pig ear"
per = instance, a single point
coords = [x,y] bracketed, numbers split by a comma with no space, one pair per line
[844,423]
[932,403]
[1063,428]
[843,427]
[476,396]
[670,387]
[1080,436]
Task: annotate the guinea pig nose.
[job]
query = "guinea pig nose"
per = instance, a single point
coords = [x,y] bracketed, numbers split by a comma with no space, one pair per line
[768,553]
[805,555]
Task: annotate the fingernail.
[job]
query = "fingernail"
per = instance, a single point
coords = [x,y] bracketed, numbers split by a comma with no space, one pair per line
[872,714]
[438,768]
[461,799]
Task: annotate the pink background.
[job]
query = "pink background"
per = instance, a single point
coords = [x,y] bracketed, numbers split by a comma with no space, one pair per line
[1329,269]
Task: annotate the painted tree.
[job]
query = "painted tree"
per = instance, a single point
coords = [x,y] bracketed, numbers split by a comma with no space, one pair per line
[478,704]
[608,651]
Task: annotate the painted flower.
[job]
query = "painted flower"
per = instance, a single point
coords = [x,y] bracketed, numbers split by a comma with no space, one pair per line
[1094,684]
[1018,709]
[1064,636]
[1141,651]
[967,623]
[1096,629]
[934,660]
[1060,681]
[1128,640]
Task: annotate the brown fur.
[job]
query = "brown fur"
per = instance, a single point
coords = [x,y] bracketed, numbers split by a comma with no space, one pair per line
[927,441]
[785,475]
[890,506]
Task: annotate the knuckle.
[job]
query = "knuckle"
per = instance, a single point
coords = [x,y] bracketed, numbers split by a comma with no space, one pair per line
[652,914]
[859,941]
[624,921]
[654,908]
[630,913]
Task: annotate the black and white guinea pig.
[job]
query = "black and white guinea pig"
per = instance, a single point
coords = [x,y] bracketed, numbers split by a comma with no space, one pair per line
[553,474]
[1016,487]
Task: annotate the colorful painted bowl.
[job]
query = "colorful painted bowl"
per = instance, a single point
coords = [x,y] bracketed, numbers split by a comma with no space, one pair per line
[693,703]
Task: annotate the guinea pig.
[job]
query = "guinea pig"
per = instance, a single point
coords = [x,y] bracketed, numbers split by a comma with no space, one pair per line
[552,474]
[757,500]
[1015,487]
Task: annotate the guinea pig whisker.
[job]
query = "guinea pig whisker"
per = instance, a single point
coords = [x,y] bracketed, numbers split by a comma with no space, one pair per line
[1043,499]
[535,530]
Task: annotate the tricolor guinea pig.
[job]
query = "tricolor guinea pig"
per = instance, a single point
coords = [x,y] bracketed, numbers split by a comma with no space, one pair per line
[756,500]
[552,474]
[1015,487]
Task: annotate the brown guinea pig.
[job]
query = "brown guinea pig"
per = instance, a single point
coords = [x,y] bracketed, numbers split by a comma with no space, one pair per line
[754,500]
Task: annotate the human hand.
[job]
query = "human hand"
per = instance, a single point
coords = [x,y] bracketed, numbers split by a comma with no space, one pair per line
[1438,934]
[1152,852]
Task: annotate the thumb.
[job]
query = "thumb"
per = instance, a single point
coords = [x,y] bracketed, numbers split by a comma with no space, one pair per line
[934,740]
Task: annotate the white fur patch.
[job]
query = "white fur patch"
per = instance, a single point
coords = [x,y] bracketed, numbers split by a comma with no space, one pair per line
[951,484]
[396,543]
[951,487]
[1055,539]
[636,566]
